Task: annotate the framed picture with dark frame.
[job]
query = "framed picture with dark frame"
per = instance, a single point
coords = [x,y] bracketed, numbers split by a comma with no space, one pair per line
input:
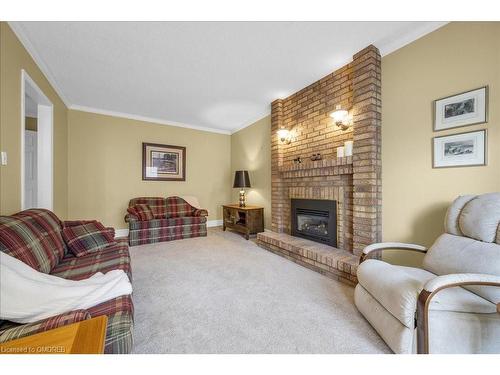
[163,162]
[460,150]
[467,108]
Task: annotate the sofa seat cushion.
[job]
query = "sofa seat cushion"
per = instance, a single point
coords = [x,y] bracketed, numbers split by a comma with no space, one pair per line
[397,288]
[164,223]
[34,237]
[114,257]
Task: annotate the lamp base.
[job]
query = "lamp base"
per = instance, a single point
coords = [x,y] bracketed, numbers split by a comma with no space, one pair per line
[242,198]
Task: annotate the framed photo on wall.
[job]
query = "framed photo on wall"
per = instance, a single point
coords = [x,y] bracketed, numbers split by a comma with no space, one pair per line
[163,162]
[460,150]
[468,108]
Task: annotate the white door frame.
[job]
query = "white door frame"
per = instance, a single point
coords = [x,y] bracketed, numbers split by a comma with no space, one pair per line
[45,142]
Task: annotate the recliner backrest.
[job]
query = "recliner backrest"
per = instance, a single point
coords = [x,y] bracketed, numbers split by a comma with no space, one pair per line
[471,243]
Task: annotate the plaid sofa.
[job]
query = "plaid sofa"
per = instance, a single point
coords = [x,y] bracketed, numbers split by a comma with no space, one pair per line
[34,237]
[174,219]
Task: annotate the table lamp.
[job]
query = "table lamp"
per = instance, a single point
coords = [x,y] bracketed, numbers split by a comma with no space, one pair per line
[241,181]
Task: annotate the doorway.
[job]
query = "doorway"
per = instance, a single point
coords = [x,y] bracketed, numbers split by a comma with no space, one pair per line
[36,146]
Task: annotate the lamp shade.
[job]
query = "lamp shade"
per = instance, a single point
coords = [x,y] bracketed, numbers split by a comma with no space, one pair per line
[241,179]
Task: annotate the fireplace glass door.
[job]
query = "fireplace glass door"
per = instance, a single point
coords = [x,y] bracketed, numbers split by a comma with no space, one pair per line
[315,219]
[313,223]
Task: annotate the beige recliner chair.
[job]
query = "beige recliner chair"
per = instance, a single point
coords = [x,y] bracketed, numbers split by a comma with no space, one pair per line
[452,305]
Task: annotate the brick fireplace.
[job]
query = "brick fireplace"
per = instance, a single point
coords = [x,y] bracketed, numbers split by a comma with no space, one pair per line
[354,183]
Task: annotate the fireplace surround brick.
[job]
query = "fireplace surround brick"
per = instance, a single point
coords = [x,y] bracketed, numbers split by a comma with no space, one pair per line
[355,182]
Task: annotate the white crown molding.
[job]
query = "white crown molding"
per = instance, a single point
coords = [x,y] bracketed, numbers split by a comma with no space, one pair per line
[146,119]
[407,38]
[21,35]
[251,122]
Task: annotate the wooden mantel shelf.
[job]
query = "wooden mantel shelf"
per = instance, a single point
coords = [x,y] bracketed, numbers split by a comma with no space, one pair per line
[324,163]
[325,167]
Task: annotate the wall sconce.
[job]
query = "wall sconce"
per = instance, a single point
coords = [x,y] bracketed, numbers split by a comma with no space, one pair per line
[341,117]
[285,136]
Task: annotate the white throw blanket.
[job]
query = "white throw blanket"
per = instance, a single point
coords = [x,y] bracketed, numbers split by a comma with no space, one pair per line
[27,295]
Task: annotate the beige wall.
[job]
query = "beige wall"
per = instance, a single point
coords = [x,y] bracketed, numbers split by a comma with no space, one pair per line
[105,166]
[251,150]
[455,58]
[14,58]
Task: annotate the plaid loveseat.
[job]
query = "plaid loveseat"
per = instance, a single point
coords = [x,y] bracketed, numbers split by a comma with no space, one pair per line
[34,237]
[174,219]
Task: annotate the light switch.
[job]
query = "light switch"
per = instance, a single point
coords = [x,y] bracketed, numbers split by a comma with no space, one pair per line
[4,158]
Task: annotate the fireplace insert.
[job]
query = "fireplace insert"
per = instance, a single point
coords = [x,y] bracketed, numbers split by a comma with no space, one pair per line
[315,220]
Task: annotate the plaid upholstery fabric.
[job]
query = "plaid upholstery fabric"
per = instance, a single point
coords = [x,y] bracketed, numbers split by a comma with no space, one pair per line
[141,211]
[87,238]
[178,207]
[120,312]
[152,231]
[34,237]
[114,257]
[11,331]
[200,212]
[73,223]
[156,204]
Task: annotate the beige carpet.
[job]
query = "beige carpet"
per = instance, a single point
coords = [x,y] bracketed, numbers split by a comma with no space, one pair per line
[223,294]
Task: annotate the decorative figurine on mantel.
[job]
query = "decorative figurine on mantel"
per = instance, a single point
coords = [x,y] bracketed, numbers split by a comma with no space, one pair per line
[315,157]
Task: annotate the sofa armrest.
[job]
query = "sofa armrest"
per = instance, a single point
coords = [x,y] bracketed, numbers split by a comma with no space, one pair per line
[129,218]
[200,212]
[432,287]
[16,331]
[376,249]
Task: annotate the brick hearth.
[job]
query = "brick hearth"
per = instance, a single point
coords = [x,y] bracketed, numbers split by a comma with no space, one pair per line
[354,182]
[334,263]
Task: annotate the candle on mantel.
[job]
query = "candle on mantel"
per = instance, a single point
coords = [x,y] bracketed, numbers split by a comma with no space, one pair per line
[340,152]
[348,148]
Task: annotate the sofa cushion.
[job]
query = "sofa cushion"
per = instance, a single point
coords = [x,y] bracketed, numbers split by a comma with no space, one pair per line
[178,207]
[156,204]
[480,217]
[171,222]
[142,212]
[34,237]
[456,254]
[87,238]
[114,257]
[397,289]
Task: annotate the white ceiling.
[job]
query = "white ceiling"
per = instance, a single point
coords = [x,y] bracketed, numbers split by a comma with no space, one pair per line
[217,76]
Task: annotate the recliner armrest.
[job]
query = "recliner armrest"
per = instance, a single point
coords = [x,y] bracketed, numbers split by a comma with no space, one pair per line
[432,287]
[459,279]
[372,250]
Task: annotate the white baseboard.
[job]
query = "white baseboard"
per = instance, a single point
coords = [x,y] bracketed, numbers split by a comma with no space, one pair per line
[214,223]
[121,233]
[210,223]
